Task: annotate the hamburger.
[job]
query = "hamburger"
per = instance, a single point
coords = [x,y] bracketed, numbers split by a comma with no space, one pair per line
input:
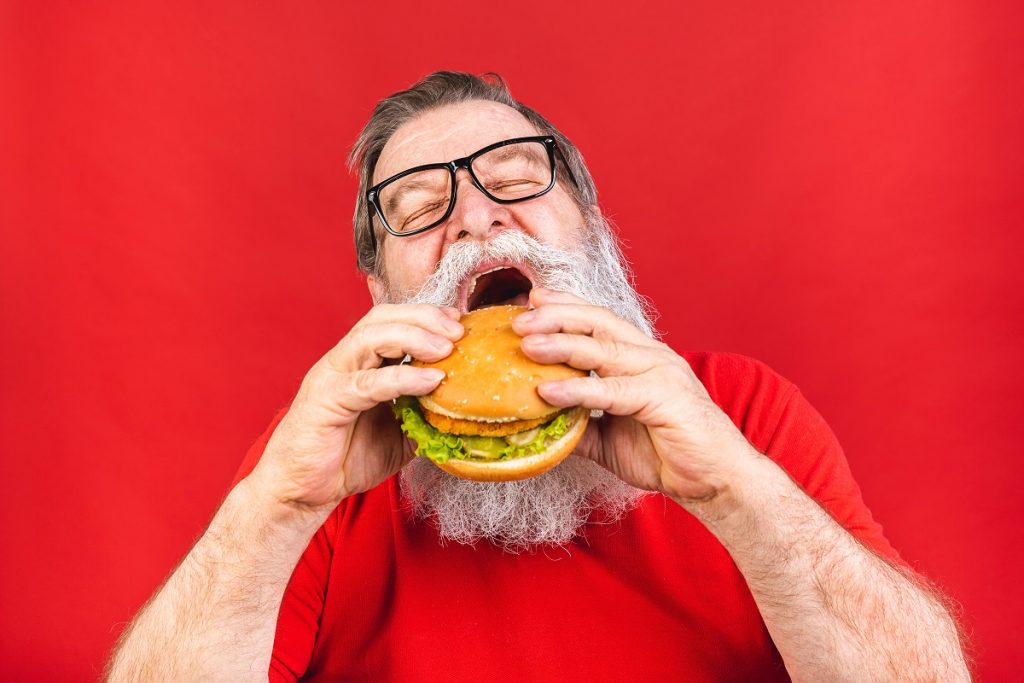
[485,421]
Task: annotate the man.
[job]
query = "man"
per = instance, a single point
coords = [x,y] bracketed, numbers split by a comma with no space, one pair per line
[708,527]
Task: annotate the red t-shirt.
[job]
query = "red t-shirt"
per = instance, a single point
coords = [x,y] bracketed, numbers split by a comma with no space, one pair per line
[653,597]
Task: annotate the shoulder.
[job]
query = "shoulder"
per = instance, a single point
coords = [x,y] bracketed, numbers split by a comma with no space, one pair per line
[779,421]
[749,391]
[732,370]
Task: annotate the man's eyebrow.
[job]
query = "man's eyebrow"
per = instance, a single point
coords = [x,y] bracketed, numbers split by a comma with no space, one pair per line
[512,152]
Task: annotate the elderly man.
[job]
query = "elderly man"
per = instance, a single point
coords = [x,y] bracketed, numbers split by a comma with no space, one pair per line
[707,527]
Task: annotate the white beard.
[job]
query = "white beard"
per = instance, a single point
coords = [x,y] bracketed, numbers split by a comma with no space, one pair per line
[551,508]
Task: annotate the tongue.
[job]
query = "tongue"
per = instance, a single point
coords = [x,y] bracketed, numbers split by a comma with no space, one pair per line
[518,300]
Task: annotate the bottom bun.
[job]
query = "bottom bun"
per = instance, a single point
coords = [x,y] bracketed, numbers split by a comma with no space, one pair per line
[526,466]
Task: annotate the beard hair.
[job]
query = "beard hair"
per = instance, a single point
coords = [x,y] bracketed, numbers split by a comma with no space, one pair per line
[551,508]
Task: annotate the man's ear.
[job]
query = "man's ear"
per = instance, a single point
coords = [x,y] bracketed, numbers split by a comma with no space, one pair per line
[376,288]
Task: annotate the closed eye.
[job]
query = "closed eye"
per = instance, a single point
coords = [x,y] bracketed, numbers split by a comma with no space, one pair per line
[510,183]
[429,208]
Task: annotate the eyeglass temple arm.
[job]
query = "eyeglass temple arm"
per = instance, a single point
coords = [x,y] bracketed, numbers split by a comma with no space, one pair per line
[568,167]
[373,233]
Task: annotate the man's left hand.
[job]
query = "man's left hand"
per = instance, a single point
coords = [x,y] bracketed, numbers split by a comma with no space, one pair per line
[661,431]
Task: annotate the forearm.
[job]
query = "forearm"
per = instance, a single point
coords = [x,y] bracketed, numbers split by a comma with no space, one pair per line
[215,617]
[835,610]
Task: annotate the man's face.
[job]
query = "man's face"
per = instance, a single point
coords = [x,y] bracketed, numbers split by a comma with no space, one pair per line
[452,132]
[548,240]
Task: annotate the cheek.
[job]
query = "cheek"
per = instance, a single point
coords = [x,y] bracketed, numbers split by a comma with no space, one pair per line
[410,261]
[559,224]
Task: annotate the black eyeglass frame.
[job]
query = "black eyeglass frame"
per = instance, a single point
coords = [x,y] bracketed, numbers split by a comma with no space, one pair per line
[373,194]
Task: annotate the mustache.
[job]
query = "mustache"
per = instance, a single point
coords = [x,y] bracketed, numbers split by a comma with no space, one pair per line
[595,271]
[463,258]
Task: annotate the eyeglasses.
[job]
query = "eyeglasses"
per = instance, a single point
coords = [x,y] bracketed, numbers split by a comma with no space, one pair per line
[422,198]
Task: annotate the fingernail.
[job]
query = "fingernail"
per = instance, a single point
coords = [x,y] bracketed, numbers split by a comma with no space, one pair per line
[432,374]
[552,392]
[440,343]
[537,340]
[526,317]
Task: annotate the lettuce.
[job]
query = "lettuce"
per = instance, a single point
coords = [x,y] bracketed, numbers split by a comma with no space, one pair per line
[430,442]
[440,447]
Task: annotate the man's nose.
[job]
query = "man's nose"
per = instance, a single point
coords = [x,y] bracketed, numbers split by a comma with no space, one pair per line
[475,216]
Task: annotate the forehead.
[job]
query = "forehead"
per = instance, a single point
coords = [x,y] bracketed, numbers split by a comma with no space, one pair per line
[449,132]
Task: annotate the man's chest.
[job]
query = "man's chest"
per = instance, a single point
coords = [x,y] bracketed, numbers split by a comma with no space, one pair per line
[652,598]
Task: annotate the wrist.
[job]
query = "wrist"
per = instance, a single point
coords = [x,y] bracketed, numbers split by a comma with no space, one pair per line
[278,514]
[735,491]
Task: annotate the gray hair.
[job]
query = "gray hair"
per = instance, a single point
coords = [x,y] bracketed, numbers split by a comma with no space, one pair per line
[437,90]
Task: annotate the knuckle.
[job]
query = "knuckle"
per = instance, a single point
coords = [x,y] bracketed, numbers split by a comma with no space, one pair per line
[424,311]
[358,338]
[682,374]
[601,311]
[362,382]
[617,385]
[613,348]
[364,345]
[323,388]
[377,312]
[660,355]
[390,374]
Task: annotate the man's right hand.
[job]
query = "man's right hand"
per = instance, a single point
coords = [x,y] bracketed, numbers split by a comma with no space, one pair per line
[339,436]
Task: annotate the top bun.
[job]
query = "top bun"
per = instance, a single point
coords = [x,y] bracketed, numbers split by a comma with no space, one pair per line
[487,375]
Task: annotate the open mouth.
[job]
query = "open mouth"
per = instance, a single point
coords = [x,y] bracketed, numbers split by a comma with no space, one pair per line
[500,285]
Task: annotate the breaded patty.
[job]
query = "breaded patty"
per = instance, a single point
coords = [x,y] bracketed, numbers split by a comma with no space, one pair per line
[451,425]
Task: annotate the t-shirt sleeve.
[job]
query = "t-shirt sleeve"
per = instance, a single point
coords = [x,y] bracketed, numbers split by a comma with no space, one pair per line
[302,606]
[779,421]
[804,445]
[252,457]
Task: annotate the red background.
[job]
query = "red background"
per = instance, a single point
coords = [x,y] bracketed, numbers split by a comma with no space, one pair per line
[834,188]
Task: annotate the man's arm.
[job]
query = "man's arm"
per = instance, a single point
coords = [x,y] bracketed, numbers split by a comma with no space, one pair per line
[215,617]
[834,609]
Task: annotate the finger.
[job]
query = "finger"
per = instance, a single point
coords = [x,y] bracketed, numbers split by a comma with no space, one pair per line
[377,423]
[360,391]
[589,444]
[442,321]
[614,395]
[607,357]
[575,318]
[368,345]
[542,295]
